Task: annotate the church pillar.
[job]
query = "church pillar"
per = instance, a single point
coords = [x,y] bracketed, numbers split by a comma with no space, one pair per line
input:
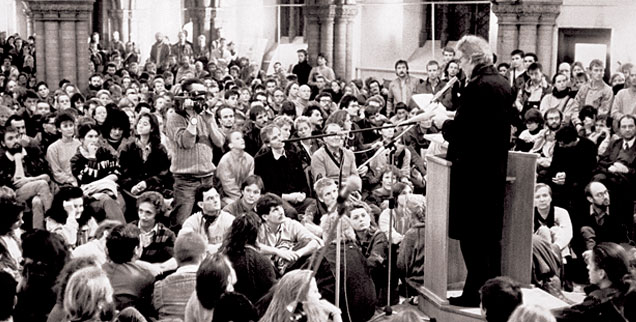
[313,33]
[198,23]
[327,14]
[545,41]
[509,35]
[62,48]
[529,26]
[343,41]
[340,45]
[528,32]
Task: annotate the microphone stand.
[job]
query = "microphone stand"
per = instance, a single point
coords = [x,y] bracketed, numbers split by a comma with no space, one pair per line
[341,211]
[296,307]
[387,309]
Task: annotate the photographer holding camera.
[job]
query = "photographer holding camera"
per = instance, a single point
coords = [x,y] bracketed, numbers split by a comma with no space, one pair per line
[193,132]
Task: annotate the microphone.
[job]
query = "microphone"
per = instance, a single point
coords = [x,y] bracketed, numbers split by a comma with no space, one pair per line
[354,183]
[446,87]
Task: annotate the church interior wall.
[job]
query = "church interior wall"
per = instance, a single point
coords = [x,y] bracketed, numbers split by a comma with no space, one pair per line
[618,15]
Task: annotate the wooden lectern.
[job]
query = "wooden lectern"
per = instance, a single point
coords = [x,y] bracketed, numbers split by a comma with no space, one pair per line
[444,266]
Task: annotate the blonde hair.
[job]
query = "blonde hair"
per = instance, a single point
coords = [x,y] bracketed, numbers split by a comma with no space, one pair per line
[285,292]
[531,313]
[415,204]
[85,292]
[327,222]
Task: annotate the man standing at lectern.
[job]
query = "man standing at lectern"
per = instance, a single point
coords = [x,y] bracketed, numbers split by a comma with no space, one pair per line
[478,171]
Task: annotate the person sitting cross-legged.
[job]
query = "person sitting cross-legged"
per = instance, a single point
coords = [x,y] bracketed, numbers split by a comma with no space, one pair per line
[97,171]
[287,240]
[23,169]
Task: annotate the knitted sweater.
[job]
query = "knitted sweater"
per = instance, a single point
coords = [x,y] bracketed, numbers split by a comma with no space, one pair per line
[59,156]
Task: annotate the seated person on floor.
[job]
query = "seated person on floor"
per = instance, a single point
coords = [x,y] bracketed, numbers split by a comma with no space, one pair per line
[611,296]
[401,220]
[97,170]
[374,246]
[401,155]
[208,219]
[234,167]
[331,157]
[600,224]
[282,172]
[254,271]
[551,223]
[327,193]
[132,284]
[157,240]
[500,296]
[360,299]
[96,247]
[171,294]
[251,189]
[410,260]
[287,240]
[68,218]
[23,169]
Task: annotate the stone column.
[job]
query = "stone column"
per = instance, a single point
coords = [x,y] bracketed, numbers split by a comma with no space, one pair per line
[327,14]
[291,30]
[535,21]
[528,32]
[62,47]
[198,23]
[509,33]
[546,36]
[343,40]
[313,33]
[339,46]
[349,70]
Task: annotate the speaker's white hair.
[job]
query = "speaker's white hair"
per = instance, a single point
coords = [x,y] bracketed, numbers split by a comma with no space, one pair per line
[475,48]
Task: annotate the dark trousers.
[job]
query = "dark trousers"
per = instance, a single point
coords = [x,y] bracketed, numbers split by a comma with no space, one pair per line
[185,187]
[483,262]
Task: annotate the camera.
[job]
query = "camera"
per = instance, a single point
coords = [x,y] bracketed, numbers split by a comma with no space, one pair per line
[199,100]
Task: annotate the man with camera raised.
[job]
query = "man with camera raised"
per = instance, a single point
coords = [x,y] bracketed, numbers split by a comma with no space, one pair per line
[193,132]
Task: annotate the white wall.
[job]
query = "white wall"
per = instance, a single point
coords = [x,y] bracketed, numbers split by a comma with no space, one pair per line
[251,24]
[619,15]
[12,19]
[151,17]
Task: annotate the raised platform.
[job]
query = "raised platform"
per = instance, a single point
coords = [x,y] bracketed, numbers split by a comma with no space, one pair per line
[441,311]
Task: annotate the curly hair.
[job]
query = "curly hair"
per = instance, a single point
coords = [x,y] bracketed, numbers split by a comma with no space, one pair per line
[155,199]
[243,232]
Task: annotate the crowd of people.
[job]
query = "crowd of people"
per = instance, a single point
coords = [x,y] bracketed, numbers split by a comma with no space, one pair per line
[192,187]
